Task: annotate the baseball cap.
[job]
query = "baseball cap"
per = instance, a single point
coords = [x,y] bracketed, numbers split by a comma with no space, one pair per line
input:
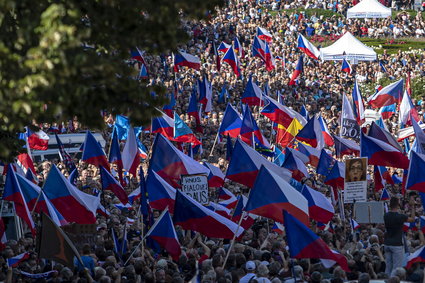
[250,265]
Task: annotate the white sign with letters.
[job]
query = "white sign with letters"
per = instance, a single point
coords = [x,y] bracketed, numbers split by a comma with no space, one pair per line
[196,186]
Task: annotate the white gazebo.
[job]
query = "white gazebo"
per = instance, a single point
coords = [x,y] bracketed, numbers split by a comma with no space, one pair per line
[349,48]
[369,9]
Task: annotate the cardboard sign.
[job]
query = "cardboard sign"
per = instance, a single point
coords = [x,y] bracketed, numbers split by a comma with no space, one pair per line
[196,186]
[369,212]
[355,183]
[350,129]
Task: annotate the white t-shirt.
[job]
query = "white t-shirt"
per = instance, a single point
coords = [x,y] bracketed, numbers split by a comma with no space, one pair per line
[247,277]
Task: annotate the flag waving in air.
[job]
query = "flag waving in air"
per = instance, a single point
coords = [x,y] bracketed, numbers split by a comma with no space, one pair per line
[165,235]
[232,59]
[185,59]
[307,47]
[303,243]
[346,67]
[298,71]
[191,215]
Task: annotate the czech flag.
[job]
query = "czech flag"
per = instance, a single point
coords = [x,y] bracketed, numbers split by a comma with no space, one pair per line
[93,152]
[417,256]
[327,136]
[169,108]
[185,59]
[345,147]
[387,111]
[193,111]
[163,125]
[205,94]
[388,95]
[354,224]
[228,199]
[223,47]
[303,243]
[415,177]
[231,123]
[232,59]
[381,134]
[407,111]
[137,54]
[170,163]
[115,154]
[346,67]
[219,208]
[312,153]
[278,228]
[252,95]
[74,205]
[381,153]
[377,178]
[130,154]
[298,70]
[216,177]
[191,215]
[325,164]
[298,154]
[182,132]
[419,145]
[32,193]
[271,194]
[269,59]
[408,132]
[247,219]
[319,207]
[259,49]
[12,192]
[358,107]
[296,166]
[37,140]
[143,73]
[307,47]
[16,260]
[311,134]
[109,183]
[384,195]
[264,34]
[245,165]
[134,195]
[281,114]
[249,129]
[165,235]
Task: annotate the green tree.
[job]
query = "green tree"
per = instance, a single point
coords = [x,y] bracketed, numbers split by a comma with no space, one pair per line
[43,62]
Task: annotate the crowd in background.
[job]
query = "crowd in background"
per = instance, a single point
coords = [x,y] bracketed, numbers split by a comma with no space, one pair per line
[261,253]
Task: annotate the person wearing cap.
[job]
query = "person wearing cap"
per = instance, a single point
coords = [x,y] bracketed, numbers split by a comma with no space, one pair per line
[250,272]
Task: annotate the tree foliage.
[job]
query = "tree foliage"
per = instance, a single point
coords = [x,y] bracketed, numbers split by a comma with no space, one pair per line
[71,57]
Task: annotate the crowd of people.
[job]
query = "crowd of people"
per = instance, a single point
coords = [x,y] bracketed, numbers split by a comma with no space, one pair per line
[373,251]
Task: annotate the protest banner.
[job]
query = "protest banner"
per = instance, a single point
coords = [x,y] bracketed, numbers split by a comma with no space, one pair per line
[196,186]
[355,183]
[350,129]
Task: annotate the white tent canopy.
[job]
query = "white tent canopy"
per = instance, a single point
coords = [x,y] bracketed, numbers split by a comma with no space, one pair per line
[369,9]
[349,48]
